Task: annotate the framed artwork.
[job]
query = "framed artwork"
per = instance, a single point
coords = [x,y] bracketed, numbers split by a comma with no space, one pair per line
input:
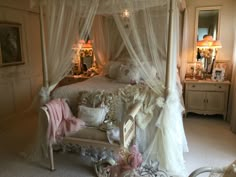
[11,44]
[190,67]
[218,74]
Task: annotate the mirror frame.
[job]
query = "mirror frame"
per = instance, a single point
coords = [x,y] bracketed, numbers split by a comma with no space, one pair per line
[196,26]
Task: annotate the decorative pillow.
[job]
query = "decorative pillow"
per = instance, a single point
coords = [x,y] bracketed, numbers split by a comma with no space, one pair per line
[128,74]
[113,69]
[113,135]
[92,116]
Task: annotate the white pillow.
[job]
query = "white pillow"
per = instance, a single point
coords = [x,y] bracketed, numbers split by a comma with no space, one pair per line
[113,69]
[92,116]
[128,74]
[113,135]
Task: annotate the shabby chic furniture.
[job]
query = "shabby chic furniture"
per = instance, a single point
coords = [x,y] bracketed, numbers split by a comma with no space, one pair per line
[227,171]
[94,136]
[206,97]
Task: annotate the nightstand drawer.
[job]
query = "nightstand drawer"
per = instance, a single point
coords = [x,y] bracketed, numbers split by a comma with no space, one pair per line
[193,86]
[216,87]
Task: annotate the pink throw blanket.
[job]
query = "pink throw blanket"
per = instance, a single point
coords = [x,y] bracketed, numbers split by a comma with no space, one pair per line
[62,122]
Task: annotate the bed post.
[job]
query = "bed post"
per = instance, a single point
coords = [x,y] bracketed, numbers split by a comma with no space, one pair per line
[44,58]
[169,52]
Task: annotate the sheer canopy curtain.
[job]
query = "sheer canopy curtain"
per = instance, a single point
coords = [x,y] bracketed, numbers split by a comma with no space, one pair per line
[147,40]
[184,53]
[65,19]
[147,46]
[108,43]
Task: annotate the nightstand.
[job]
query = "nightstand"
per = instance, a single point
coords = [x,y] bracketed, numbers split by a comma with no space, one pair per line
[206,97]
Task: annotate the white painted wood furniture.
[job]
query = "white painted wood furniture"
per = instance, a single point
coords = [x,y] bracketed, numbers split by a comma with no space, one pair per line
[95,137]
[206,97]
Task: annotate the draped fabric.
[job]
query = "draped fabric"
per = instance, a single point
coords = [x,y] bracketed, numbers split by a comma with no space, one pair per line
[147,41]
[184,49]
[232,98]
[64,21]
[142,35]
[104,33]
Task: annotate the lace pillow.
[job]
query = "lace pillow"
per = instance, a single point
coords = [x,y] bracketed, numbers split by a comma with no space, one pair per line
[128,74]
[92,116]
[113,69]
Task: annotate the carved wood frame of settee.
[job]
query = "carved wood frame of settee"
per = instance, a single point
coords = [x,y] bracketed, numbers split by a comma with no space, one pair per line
[127,133]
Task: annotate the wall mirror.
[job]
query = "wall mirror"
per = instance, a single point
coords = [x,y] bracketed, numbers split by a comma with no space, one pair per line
[207,22]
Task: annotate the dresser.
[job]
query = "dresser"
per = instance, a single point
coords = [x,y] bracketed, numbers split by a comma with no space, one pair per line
[206,97]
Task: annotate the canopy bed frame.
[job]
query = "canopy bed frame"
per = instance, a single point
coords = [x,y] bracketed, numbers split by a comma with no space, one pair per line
[169,140]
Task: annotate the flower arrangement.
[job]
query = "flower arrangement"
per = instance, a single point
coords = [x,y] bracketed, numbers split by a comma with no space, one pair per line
[93,71]
[128,161]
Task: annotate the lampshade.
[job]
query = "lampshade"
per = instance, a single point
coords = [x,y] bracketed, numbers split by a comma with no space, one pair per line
[202,44]
[87,45]
[208,38]
[217,44]
[208,42]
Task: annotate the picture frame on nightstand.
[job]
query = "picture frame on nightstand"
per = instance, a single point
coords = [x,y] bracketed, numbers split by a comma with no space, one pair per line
[227,65]
[218,74]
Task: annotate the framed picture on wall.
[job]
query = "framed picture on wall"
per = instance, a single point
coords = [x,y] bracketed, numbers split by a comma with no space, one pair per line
[11,44]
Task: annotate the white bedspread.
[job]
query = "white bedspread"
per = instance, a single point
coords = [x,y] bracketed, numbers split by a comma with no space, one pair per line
[124,95]
[95,83]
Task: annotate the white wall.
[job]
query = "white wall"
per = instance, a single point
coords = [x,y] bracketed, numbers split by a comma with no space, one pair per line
[20,83]
[226,26]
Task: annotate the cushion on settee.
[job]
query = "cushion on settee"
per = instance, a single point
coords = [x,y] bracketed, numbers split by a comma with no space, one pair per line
[92,116]
[91,133]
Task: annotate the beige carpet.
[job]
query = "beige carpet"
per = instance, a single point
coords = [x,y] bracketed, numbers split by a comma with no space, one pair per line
[211,143]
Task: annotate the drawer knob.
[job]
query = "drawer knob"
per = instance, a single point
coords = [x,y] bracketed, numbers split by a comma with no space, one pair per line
[193,85]
[219,86]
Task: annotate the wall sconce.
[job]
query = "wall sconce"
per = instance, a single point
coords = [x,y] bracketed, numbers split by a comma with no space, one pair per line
[207,50]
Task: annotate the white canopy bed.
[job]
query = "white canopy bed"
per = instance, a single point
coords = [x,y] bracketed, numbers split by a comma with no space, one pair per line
[146,39]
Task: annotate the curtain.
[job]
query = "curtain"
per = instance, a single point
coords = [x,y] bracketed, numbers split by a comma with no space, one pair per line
[104,33]
[147,46]
[64,21]
[184,53]
[233,84]
[170,123]
[141,42]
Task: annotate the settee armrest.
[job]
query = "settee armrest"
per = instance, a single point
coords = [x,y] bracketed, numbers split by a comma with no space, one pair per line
[128,127]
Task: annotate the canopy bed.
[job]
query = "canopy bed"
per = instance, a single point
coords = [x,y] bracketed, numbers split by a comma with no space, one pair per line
[136,45]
